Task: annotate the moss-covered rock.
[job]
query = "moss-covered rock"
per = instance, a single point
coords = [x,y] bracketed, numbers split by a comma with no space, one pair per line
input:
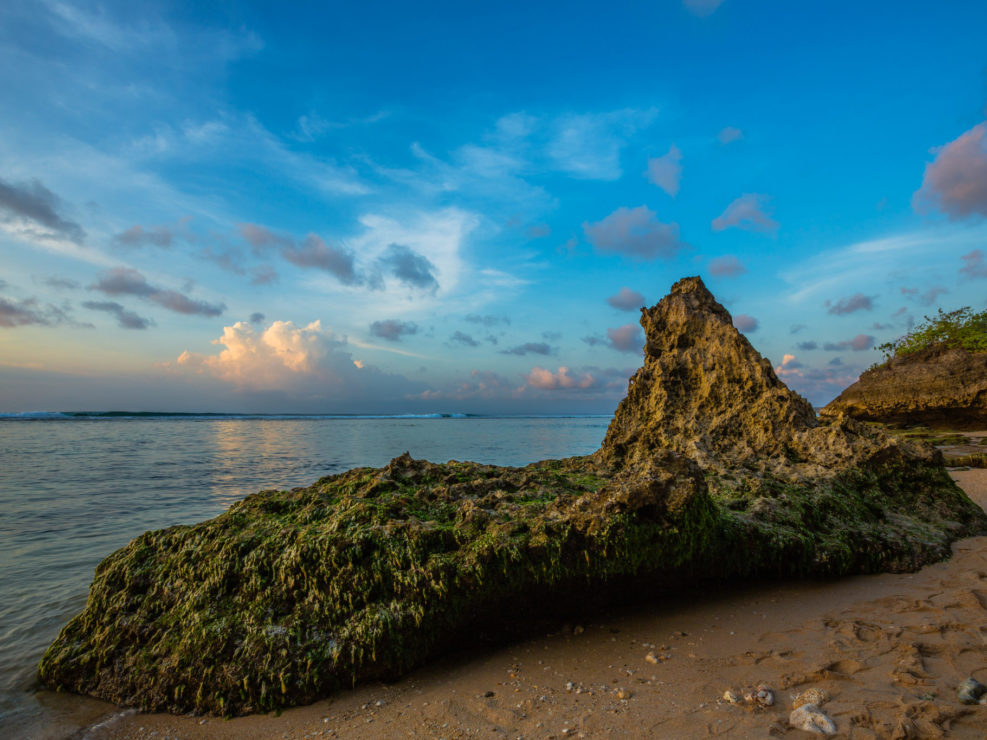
[711,468]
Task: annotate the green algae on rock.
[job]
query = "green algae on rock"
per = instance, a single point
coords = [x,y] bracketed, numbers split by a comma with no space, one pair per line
[711,468]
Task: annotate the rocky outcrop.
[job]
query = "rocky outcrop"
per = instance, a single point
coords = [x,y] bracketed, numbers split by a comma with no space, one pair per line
[711,468]
[945,389]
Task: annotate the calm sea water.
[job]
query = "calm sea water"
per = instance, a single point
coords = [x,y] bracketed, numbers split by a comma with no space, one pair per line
[75,488]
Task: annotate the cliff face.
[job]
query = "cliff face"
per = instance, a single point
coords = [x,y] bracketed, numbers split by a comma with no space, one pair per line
[711,468]
[941,389]
[703,391]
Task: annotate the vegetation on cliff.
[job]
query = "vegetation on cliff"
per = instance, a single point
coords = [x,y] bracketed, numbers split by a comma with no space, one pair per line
[711,468]
[959,329]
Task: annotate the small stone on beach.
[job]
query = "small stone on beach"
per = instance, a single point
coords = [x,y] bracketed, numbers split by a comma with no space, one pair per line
[811,718]
[970,691]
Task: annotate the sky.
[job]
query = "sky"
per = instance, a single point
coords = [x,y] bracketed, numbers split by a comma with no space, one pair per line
[389,207]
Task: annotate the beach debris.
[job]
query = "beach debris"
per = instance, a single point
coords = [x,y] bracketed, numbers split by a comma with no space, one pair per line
[764,696]
[811,718]
[624,694]
[760,697]
[970,691]
[811,696]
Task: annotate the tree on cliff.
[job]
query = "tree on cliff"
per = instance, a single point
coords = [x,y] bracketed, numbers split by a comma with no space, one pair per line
[959,329]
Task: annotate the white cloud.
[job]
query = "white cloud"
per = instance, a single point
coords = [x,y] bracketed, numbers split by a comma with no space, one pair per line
[588,146]
[304,361]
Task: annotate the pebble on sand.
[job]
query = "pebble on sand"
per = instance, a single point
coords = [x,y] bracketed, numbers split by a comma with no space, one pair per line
[811,718]
[970,691]
[811,696]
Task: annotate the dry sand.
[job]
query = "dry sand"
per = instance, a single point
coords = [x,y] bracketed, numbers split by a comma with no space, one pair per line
[889,649]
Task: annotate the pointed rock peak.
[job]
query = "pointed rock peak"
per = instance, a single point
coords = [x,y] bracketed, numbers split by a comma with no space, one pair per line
[703,391]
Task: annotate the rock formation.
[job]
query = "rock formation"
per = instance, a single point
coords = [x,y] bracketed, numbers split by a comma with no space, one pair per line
[711,468]
[944,389]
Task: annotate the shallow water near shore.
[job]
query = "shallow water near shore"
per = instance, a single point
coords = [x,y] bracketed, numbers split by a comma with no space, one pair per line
[75,488]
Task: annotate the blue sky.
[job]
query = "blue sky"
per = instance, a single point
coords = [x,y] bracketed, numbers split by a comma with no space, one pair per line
[346,207]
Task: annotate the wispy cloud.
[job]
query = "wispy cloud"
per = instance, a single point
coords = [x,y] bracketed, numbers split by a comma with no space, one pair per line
[851,304]
[974,264]
[393,329]
[726,266]
[529,348]
[125,319]
[31,208]
[729,134]
[128,281]
[702,8]
[749,212]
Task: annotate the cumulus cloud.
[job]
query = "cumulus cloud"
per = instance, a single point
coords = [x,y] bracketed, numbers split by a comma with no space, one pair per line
[529,348]
[464,339]
[392,329]
[636,233]
[666,171]
[538,231]
[626,300]
[31,205]
[58,283]
[578,380]
[138,236]
[257,318]
[726,266]
[702,8]
[856,302]
[128,281]
[749,213]
[859,343]
[125,319]
[974,264]
[955,181]
[314,252]
[307,362]
[409,267]
[808,345]
[729,134]
[745,323]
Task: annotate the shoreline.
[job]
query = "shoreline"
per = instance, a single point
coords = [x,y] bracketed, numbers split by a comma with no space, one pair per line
[875,643]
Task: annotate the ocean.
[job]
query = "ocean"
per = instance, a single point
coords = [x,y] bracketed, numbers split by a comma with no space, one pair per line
[74,487]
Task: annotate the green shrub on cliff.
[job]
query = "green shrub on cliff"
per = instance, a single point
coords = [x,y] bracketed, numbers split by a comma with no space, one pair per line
[959,329]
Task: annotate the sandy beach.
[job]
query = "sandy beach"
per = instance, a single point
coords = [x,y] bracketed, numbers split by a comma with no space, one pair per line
[888,649]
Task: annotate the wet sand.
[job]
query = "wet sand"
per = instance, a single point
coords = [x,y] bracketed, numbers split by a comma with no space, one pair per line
[889,649]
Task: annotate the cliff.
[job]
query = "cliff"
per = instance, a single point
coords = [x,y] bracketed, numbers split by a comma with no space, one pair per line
[711,468]
[944,389]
